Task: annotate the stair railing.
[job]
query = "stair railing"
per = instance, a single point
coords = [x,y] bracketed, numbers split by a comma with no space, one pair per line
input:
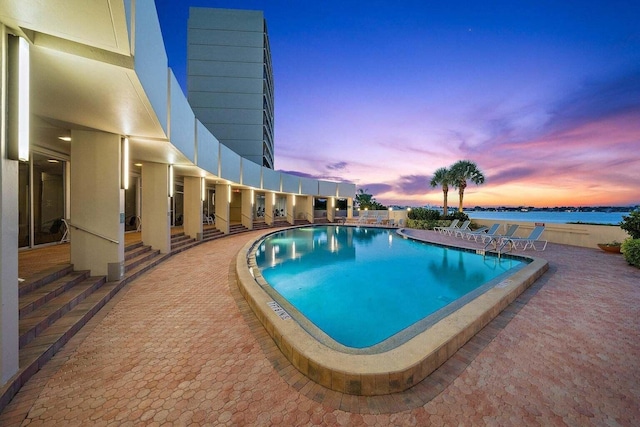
[93,233]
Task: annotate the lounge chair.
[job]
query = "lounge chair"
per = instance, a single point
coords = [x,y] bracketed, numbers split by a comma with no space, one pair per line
[461,230]
[499,238]
[526,242]
[482,231]
[454,224]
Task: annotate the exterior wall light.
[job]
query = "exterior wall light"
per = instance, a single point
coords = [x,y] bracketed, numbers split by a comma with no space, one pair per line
[170,180]
[124,167]
[18,99]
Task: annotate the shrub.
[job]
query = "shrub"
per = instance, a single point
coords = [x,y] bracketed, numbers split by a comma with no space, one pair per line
[631,224]
[424,214]
[631,250]
[420,224]
[457,215]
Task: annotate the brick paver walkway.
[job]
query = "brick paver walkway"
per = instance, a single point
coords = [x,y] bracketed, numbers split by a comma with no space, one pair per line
[179,346]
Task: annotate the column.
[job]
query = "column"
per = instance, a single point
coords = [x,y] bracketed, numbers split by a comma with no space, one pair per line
[331,209]
[8,239]
[269,203]
[193,187]
[156,220]
[349,207]
[247,208]
[223,198]
[96,216]
[291,209]
[308,209]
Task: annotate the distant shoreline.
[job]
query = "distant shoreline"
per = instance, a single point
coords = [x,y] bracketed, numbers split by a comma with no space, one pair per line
[558,217]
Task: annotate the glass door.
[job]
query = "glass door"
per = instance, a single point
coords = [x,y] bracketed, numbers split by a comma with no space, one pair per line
[177,205]
[41,200]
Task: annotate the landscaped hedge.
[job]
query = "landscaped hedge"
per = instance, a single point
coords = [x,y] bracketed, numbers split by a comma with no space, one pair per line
[426,219]
[420,224]
[423,214]
[631,250]
[631,224]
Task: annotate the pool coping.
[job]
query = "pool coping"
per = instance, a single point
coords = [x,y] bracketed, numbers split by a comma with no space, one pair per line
[391,371]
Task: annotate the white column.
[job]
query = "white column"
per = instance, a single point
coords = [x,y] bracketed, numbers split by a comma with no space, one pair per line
[247,208]
[223,198]
[331,209]
[8,239]
[193,206]
[291,208]
[308,209]
[269,203]
[97,204]
[156,221]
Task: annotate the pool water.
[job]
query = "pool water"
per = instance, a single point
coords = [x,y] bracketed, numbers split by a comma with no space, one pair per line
[362,285]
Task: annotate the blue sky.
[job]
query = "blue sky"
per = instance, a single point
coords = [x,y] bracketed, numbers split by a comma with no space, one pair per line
[543,96]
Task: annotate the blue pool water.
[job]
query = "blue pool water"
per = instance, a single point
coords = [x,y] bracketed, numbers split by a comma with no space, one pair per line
[363,285]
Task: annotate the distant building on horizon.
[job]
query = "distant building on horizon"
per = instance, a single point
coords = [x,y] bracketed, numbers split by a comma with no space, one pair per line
[230,79]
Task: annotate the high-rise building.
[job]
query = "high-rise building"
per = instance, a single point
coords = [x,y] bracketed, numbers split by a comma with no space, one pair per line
[230,79]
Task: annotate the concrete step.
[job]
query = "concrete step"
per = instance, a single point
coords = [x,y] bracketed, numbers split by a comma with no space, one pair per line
[135,252]
[139,259]
[144,266]
[182,243]
[132,246]
[33,324]
[38,297]
[44,277]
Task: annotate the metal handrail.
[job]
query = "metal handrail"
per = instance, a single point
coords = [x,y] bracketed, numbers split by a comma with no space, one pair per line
[77,227]
[218,218]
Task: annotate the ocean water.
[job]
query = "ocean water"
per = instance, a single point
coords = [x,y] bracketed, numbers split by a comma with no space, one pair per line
[551,217]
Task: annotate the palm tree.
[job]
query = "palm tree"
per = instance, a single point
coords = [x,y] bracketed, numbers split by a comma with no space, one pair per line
[363,199]
[442,176]
[462,171]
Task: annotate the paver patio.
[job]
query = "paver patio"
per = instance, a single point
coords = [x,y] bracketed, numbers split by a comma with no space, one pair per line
[180,346]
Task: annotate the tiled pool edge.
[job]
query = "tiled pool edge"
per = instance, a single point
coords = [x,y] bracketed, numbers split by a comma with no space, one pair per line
[392,371]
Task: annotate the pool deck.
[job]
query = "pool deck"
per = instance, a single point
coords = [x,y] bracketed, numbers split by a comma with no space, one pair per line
[180,345]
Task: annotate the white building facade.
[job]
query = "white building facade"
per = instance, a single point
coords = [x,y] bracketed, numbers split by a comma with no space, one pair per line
[230,80]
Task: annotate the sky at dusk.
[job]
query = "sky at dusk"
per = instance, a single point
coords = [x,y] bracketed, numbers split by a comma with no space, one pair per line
[544,96]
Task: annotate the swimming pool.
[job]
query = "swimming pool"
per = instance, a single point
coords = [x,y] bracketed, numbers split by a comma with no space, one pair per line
[399,362]
[361,286]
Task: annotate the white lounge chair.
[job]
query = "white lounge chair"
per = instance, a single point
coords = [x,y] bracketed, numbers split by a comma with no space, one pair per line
[461,230]
[362,218]
[482,231]
[498,239]
[526,242]
[454,224]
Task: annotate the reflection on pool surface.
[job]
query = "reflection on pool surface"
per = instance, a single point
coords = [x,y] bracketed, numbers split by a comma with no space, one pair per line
[362,286]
